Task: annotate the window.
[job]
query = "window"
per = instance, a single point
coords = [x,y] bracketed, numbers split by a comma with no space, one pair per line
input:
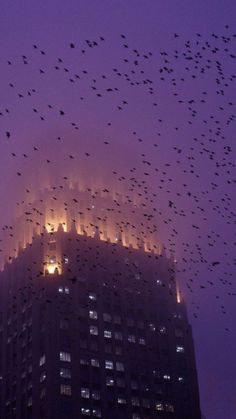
[67,290]
[84,362]
[130,322]
[121,400]
[65,356]
[117,319]
[110,381]
[141,341]
[95,363]
[85,411]
[119,366]
[166,377]
[97,413]
[152,327]
[170,407]
[42,376]
[118,336]
[180,379]
[180,349]
[107,334]
[146,403]
[109,365]
[106,317]
[120,382]
[65,390]
[135,401]
[159,406]
[96,395]
[118,350]
[162,329]
[65,373]
[136,416]
[179,333]
[93,315]
[92,296]
[93,330]
[134,385]
[131,338]
[42,360]
[60,289]
[85,393]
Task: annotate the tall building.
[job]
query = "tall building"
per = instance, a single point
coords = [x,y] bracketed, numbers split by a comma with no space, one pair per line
[91,328]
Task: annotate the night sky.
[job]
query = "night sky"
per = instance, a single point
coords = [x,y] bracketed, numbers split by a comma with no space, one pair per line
[111,91]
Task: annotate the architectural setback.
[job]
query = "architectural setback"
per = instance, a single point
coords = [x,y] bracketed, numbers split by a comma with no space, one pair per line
[94,329]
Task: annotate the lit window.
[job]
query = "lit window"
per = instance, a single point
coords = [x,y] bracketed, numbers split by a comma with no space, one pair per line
[67,290]
[84,393]
[131,338]
[92,296]
[65,373]
[66,260]
[152,327]
[109,365]
[42,377]
[162,329]
[136,416]
[96,395]
[65,390]
[170,408]
[42,393]
[110,381]
[159,282]
[65,356]
[121,400]
[166,377]
[135,401]
[94,363]
[97,412]
[84,362]
[141,341]
[30,401]
[159,406]
[85,411]
[42,360]
[180,349]
[60,289]
[118,336]
[119,366]
[180,379]
[93,315]
[106,317]
[107,334]
[93,330]
[146,403]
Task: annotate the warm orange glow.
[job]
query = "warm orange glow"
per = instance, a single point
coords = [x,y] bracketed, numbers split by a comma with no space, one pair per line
[178,294]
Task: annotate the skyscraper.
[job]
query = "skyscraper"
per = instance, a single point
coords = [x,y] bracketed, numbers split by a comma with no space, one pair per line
[92,328]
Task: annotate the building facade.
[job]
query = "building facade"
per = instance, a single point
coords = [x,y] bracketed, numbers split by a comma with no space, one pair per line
[91,328]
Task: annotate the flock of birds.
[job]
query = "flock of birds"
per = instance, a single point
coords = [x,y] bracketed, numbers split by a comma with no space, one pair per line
[178,111]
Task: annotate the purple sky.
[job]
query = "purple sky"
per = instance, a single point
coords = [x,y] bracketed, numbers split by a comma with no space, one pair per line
[192,127]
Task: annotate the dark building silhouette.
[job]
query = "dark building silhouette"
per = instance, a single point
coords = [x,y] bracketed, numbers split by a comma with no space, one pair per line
[91,328]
